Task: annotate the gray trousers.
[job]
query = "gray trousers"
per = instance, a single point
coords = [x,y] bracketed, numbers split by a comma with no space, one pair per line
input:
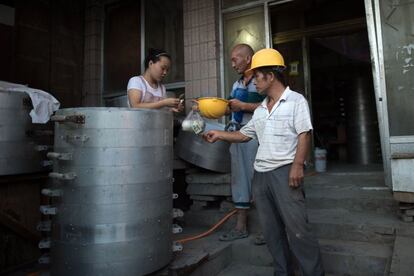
[283,217]
[242,160]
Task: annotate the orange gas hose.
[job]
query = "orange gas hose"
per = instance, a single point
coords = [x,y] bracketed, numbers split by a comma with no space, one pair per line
[209,231]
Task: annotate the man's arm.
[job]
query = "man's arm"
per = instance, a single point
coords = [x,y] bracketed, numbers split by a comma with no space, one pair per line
[232,137]
[296,173]
[237,105]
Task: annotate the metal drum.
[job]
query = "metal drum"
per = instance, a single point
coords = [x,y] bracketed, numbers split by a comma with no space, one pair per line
[113,188]
[362,123]
[210,156]
[21,147]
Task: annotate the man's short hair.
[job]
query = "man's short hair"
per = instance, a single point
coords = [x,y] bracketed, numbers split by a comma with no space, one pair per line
[245,48]
[277,71]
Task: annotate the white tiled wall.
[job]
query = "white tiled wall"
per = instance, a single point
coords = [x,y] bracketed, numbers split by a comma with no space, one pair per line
[201,42]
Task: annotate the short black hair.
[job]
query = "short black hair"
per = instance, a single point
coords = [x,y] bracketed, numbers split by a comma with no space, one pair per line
[155,55]
[277,71]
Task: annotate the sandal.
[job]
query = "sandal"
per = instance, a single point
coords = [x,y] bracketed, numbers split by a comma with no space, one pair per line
[259,239]
[234,234]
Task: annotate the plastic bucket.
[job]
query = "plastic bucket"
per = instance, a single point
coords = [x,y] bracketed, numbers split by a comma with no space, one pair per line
[320,160]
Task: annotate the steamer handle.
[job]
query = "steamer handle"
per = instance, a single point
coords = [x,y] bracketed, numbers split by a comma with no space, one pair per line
[63,176]
[77,119]
[59,155]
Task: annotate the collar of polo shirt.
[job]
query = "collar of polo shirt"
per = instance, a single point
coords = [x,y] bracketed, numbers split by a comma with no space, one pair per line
[284,97]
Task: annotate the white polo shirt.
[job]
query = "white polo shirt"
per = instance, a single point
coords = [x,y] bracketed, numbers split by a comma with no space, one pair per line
[277,131]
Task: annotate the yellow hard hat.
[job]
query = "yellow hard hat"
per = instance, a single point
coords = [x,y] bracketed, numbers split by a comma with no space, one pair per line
[212,107]
[267,57]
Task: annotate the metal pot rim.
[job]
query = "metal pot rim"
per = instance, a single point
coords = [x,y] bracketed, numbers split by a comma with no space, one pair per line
[80,109]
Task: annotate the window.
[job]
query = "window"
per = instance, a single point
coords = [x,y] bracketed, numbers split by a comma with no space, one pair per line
[122,44]
[164,30]
[241,27]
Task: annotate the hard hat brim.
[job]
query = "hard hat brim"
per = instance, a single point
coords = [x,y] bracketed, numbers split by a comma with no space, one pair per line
[251,70]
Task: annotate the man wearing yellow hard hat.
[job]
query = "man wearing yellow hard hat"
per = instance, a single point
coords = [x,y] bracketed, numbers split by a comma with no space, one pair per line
[282,126]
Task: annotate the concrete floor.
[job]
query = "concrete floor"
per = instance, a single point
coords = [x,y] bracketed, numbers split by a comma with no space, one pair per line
[351,210]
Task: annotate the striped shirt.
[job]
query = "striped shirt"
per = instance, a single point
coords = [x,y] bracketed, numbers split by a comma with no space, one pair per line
[253,96]
[277,131]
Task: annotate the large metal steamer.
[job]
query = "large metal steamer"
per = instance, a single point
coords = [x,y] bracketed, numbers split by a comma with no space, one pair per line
[211,156]
[113,179]
[21,147]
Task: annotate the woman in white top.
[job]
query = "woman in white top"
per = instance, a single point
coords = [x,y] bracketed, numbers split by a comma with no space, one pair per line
[146,91]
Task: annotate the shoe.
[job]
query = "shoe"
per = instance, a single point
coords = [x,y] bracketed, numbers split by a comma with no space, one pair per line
[259,239]
[234,234]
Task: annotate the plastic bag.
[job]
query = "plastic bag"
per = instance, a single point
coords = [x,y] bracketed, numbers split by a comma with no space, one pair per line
[193,122]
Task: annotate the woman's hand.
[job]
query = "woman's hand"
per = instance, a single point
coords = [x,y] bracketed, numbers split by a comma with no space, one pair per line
[179,108]
[171,102]
[181,105]
[178,104]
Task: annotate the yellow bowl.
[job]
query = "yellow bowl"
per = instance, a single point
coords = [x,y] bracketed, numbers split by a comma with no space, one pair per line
[212,107]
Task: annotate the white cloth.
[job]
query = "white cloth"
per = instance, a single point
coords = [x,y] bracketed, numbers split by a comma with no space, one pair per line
[44,104]
[149,94]
[277,131]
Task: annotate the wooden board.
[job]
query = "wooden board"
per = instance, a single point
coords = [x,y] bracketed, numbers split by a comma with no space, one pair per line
[407,197]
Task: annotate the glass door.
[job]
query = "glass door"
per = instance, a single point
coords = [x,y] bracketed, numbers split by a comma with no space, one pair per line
[241,27]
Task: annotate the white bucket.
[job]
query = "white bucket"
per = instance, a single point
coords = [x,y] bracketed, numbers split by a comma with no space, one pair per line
[320,160]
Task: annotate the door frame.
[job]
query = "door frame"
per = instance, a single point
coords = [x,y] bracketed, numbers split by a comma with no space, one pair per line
[373,25]
[373,17]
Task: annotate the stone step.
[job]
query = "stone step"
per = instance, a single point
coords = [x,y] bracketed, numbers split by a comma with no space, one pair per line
[355,258]
[246,252]
[402,259]
[206,256]
[378,199]
[238,269]
[339,257]
[338,224]
[347,178]
[343,224]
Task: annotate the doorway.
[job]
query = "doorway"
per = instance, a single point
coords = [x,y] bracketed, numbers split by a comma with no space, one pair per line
[328,60]
[343,99]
